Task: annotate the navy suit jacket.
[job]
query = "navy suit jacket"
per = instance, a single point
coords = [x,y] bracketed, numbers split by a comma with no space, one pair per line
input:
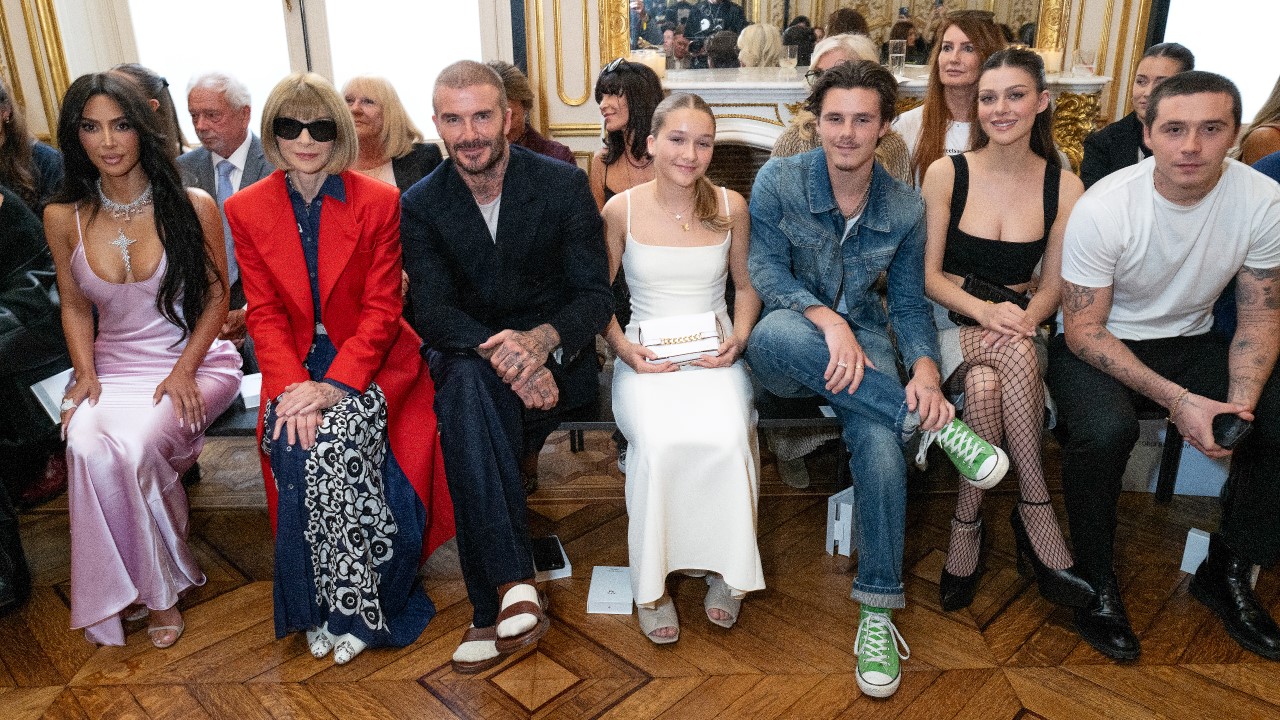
[548,264]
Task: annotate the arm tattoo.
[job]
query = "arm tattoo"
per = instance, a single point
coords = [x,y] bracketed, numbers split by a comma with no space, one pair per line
[1076,298]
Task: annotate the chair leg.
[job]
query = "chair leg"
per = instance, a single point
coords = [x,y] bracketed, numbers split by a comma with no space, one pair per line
[577,443]
[1170,459]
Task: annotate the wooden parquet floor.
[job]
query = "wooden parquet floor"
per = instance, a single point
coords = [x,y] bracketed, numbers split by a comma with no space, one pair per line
[1011,655]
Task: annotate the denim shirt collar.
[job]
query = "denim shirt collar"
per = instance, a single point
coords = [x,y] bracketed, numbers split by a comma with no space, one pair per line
[333,187]
[822,198]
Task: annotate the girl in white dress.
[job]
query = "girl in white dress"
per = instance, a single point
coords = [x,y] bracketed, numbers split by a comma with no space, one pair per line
[693,465]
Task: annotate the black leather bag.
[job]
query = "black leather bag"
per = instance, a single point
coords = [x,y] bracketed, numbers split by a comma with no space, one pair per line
[988,292]
[30,319]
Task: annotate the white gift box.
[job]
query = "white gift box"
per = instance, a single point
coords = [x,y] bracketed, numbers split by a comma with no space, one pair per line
[610,592]
[251,390]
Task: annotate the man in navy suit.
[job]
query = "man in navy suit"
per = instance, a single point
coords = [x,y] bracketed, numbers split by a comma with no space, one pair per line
[220,110]
[509,282]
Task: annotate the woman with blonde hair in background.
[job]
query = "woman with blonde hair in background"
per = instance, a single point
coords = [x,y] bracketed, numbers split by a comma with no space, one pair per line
[759,45]
[391,146]
[1263,136]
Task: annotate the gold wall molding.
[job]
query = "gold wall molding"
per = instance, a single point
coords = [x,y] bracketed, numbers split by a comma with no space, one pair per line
[534,7]
[906,102]
[13,81]
[1073,120]
[766,107]
[1125,7]
[38,62]
[576,129]
[54,49]
[1104,39]
[615,30]
[557,29]
[1139,41]
[1051,32]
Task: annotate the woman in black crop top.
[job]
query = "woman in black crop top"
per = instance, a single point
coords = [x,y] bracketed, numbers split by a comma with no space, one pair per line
[995,212]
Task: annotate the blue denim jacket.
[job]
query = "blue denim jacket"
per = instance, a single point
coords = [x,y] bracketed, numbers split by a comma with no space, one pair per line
[797,260]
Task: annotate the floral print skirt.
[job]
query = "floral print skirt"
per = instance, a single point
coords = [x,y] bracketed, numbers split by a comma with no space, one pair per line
[349,526]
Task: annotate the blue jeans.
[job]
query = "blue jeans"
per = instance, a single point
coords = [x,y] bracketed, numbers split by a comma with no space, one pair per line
[789,355]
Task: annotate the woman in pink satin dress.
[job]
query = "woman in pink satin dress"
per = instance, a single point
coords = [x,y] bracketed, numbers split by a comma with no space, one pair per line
[129,242]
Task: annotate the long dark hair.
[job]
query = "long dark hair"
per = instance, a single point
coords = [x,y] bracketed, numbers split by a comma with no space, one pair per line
[190,272]
[642,89]
[1042,128]
[16,168]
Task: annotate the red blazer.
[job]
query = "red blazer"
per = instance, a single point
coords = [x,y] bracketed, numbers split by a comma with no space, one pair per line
[360,305]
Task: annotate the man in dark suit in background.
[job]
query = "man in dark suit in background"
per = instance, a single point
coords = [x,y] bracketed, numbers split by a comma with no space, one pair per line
[230,159]
[508,275]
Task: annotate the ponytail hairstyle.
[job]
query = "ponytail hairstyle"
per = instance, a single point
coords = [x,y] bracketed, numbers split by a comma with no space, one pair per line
[190,272]
[156,88]
[706,201]
[1042,130]
[986,39]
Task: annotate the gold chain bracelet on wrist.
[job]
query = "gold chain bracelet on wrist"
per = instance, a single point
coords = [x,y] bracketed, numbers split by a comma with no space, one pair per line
[1177,405]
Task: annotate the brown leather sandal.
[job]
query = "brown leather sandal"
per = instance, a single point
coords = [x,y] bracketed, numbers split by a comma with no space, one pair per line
[481,655]
[520,604]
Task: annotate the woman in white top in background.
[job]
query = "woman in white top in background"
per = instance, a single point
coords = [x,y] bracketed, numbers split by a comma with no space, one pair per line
[693,466]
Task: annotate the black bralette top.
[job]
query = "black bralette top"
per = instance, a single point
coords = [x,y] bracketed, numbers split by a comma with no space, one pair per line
[999,261]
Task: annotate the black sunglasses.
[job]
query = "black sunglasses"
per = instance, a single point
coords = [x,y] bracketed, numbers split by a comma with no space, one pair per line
[290,129]
[612,66]
[812,76]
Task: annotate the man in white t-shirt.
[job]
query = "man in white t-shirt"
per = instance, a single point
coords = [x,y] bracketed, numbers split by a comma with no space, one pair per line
[1148,250]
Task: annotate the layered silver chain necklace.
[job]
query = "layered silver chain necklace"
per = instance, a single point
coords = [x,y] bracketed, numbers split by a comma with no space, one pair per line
[124,213]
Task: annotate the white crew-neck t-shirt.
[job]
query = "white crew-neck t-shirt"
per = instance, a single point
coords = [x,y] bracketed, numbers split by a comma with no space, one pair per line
[1166,263]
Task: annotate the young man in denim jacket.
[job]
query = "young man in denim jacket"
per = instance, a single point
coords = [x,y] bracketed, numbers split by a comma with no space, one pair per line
[824,225]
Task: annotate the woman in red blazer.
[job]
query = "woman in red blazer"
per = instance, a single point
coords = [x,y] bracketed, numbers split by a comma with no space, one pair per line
[355,480]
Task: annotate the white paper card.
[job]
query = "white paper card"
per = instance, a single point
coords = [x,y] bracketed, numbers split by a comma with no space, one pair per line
[610,592]
[827,411]
[49,392]
[251,390]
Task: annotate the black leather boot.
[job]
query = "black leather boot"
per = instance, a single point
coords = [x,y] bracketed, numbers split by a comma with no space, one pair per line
[955,592]
[1222,584]
[1104,624]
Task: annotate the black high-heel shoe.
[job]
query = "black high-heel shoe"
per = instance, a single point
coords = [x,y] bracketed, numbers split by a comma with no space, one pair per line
[955,592]
[1063,587]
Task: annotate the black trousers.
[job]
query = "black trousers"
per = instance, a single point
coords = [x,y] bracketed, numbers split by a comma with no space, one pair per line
[484,431]
[1098,417]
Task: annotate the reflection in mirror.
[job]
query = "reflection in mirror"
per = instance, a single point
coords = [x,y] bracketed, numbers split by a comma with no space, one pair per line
[650,17]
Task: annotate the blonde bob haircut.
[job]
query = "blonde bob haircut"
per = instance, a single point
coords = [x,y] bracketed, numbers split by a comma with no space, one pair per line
[398,132]
[307,96]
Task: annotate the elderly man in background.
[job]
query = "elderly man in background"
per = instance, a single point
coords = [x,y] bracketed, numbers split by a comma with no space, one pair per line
[230,158]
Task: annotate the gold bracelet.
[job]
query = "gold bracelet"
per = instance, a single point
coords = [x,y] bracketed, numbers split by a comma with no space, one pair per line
[1177,404]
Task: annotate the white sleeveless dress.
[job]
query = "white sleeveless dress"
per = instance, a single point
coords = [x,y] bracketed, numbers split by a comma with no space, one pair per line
[693,463]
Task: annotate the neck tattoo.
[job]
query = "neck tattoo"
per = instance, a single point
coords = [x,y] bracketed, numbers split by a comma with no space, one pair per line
[124,213]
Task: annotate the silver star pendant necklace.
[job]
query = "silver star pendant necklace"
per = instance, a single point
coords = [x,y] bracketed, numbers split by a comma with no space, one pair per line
[123,213]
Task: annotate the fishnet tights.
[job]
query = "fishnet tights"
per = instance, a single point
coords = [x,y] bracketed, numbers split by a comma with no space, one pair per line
[1004,401]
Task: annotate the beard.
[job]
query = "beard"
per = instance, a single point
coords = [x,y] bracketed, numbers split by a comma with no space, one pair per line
[497,152]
